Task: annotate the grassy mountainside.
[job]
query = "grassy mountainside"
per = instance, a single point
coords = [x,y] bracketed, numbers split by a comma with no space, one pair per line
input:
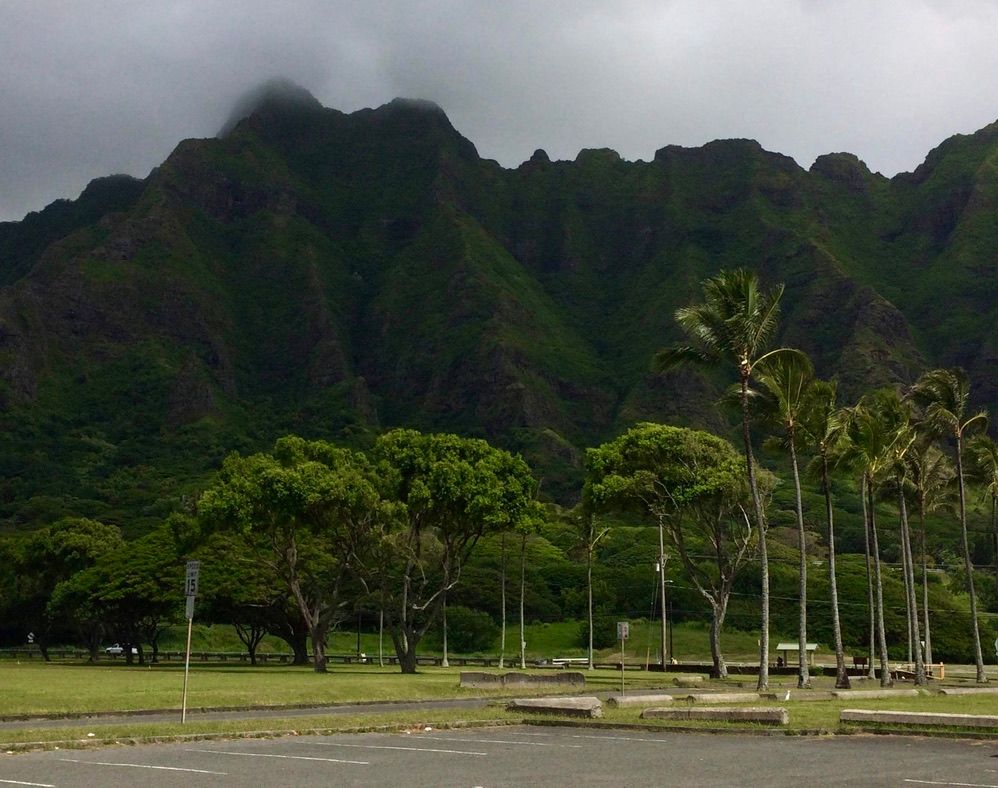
[335,274]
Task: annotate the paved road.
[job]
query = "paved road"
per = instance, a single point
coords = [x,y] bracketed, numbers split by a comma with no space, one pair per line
[518,756]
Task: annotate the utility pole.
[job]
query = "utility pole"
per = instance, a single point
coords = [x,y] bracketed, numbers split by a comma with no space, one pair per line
[661,582]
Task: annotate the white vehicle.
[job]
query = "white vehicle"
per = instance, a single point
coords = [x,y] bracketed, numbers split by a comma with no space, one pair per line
[117,650]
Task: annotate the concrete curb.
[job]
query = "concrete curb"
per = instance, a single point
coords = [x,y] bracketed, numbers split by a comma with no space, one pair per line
[763,715]
[928,718]
[569,707]
[83,744]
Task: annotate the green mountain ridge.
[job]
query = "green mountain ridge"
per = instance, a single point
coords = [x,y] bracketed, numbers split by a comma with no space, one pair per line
[335,274]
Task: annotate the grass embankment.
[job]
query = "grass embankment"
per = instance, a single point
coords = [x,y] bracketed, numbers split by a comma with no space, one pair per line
[84,734]
[54,688]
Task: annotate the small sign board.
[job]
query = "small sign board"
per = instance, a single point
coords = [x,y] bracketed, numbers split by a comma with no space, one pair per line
[191,585]
[623,630]
[190,608]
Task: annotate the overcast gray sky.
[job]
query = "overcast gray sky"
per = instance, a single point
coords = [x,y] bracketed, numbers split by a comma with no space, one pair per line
[93,87]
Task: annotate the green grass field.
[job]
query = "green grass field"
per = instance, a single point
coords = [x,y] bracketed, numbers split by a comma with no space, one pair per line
[61,688]
[556,639]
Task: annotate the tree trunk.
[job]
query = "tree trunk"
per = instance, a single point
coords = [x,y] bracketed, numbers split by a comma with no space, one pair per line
[405,647]
[907,603]
[978,657]
[318,635]
[523,587]
[925,579]
[885,666]
[445,663]
[871,671]
[720,669]
[502,600]
[909,584]
[803,677]
[760,521]
[841,674]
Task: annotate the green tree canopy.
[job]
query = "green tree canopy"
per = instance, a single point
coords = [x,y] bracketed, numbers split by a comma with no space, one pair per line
[316,505]
[453,490]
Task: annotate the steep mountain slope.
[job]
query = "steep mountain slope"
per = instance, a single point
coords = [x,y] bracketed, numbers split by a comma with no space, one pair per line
[334,274]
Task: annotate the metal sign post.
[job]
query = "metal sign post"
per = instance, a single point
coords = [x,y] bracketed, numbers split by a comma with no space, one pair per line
[191,590]
[623,632]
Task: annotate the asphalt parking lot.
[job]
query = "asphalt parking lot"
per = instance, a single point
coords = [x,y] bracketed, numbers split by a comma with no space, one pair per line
[519,756]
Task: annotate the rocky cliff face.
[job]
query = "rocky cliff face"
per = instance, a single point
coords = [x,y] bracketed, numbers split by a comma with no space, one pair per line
[334,274]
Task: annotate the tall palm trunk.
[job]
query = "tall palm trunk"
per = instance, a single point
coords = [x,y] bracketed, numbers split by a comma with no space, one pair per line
[978,657]
[907,595]
[502,600]
[909,584]
[871,602]
[841,674]
[763,683]
[885,667]
[803,677]
[925,578]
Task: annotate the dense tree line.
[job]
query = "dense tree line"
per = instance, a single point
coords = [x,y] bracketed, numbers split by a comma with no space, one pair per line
[425,528]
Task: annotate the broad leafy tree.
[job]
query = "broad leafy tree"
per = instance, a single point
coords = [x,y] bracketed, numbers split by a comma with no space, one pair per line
[135,591]
[692,485]
[51,556]
[734,326]
[318,507]
[452,491]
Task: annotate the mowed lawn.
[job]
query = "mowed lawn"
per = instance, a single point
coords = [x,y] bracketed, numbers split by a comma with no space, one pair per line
[64,688]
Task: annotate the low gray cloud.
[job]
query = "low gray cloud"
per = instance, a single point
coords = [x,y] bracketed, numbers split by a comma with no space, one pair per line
[90,88]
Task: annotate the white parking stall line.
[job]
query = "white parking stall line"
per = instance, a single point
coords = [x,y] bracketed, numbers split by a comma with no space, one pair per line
[20,782]
[963,785]
[140,766]
[508,741]
[615,738]
[392,747]
[273,755]
[528,733]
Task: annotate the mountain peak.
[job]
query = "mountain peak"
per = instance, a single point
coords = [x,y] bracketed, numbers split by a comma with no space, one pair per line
[278,93]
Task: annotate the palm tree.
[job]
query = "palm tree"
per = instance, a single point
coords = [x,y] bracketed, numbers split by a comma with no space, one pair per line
[824,427]
[867,448]
[786,380]
[734,324]
[931,474]
[944,396]
[895,414]
[985,454]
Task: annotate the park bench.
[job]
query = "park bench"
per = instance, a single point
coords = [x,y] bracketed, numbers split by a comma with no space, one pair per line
[567,662]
